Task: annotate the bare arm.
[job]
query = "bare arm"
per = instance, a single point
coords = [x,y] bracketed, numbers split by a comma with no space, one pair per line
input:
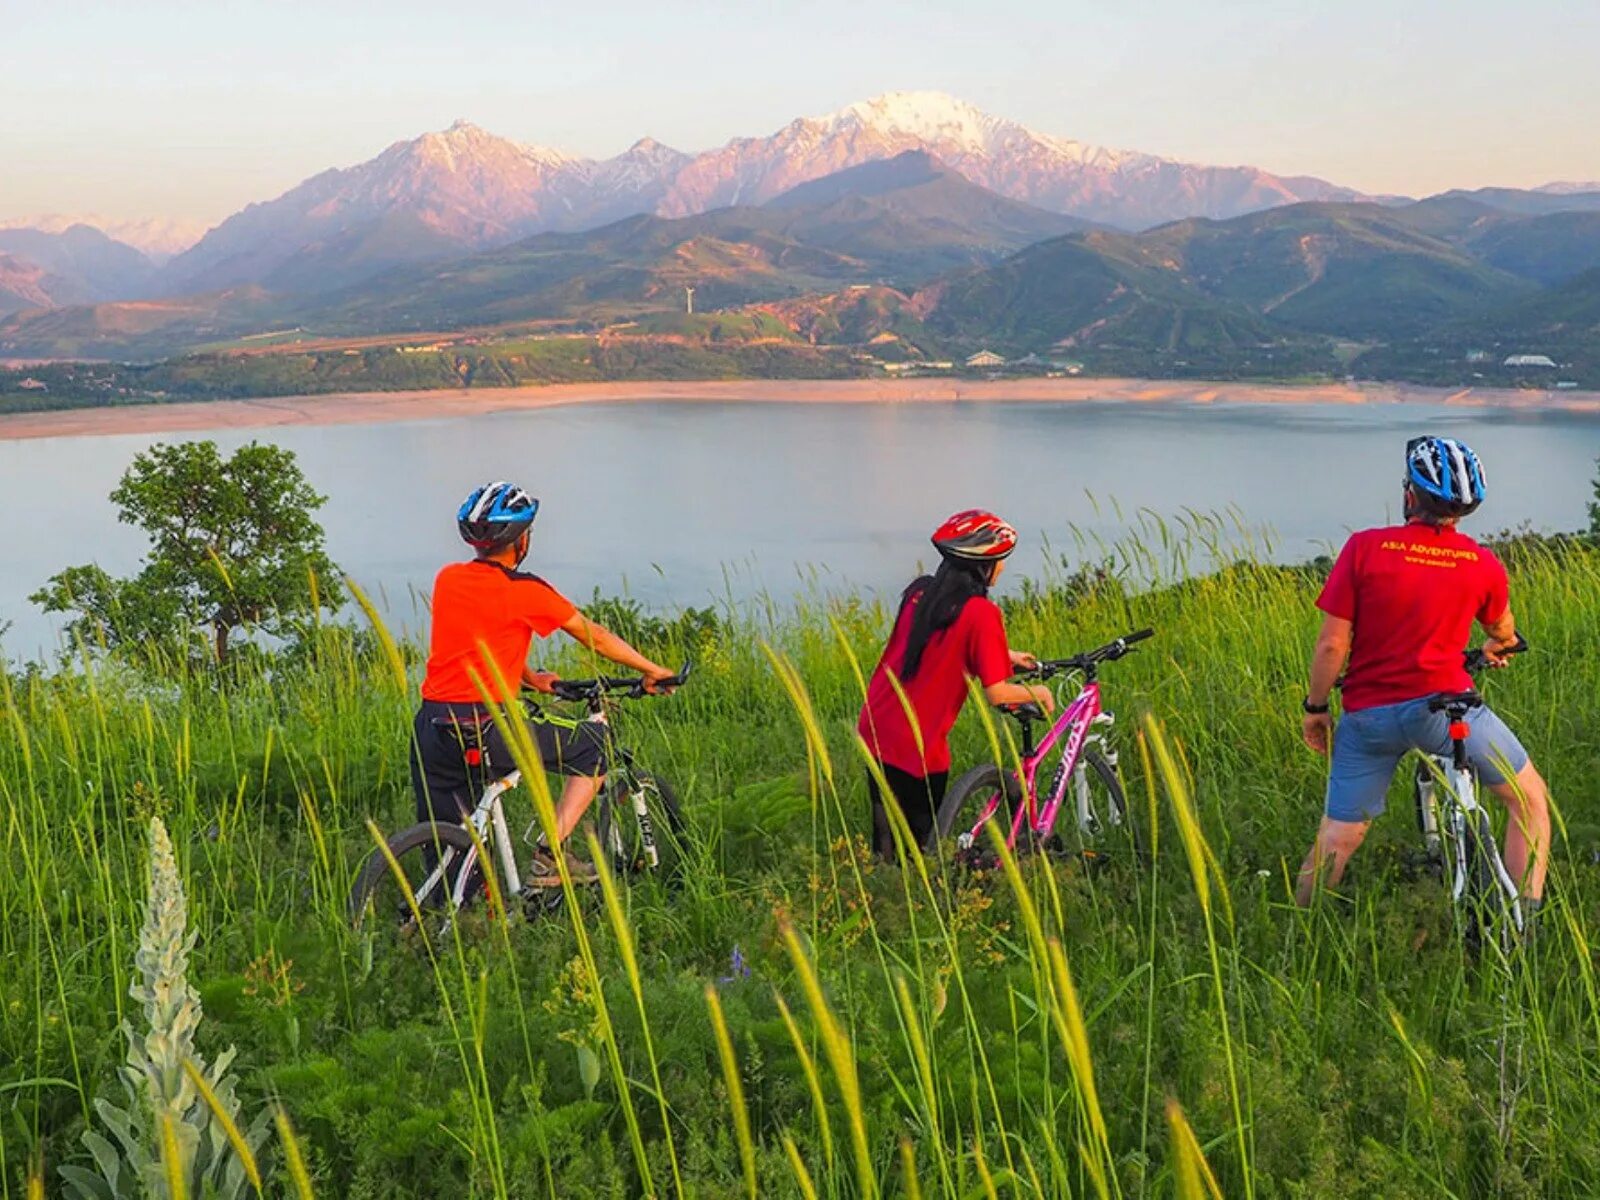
[1006,693]
[608,645]
[1502,637]
[1327,660]
[1329,657]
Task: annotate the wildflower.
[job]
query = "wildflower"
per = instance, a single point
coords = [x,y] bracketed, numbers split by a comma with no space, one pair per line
[741,969]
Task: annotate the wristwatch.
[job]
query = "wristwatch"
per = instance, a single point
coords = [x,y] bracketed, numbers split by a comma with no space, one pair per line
[1315,710]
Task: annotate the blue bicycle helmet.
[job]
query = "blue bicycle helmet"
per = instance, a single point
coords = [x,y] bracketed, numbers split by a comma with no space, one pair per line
[495,515]
[1447,472]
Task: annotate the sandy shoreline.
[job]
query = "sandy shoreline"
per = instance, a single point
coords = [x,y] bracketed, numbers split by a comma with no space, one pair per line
[361,407]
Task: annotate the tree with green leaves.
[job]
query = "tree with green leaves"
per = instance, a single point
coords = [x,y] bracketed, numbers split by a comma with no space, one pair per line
[1594,506]
[234,544]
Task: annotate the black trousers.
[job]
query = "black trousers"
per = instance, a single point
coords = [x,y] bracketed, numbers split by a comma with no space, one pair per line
[917,797]
[447,783]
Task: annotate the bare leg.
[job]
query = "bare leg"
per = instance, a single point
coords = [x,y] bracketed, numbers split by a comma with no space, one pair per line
[1336,842]
[576,795]
[1527,798]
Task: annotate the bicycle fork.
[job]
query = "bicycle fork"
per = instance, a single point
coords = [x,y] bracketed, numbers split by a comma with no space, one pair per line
[647,831]
[1088,819]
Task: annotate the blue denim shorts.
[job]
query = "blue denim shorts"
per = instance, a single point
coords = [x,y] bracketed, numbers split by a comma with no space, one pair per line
[1369,744]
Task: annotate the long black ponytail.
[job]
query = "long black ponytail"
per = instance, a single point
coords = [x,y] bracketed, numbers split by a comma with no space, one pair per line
[943,595]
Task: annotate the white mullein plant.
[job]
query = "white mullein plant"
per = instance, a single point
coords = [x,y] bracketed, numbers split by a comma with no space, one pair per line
[174,1098]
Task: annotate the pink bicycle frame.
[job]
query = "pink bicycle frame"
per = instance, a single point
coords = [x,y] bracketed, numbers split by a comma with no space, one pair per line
[1074,723]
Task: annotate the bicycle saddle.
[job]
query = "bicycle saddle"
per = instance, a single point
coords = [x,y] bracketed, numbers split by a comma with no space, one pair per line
[1025,712]
[1456,702]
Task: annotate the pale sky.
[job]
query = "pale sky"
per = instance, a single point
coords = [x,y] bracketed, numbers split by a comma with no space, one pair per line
[193,108]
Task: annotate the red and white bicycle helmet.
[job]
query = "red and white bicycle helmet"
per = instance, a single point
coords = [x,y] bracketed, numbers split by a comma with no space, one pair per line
[975,535]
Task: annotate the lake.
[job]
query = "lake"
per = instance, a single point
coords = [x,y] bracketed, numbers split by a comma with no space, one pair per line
[701,503]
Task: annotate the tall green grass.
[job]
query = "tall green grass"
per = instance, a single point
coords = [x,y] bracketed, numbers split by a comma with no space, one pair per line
[1176,1029]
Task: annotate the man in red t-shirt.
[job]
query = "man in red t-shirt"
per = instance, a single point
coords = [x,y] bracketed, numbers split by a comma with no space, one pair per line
[486,613]
[1399,609]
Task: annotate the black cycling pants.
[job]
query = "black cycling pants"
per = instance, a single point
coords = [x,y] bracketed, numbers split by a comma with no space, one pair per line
[917,796]
[447,783]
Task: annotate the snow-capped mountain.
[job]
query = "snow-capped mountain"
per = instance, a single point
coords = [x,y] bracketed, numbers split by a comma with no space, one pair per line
[157,238]
[1116,187]
[441,193]
[463,189]
[635,181]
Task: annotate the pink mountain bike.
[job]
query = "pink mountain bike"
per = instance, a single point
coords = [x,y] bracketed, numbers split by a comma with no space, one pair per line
[1085,768]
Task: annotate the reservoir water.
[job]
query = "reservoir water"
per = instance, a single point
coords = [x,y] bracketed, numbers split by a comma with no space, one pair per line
[702,503]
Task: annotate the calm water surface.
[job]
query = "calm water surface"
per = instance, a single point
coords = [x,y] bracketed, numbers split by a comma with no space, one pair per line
[702,503]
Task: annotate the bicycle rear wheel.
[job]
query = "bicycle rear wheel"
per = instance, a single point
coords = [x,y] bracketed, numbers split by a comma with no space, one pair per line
[437,862]
[641,829]
[983,789]
[1425,795]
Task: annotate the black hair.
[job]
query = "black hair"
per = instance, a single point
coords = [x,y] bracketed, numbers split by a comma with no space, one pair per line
[944,594]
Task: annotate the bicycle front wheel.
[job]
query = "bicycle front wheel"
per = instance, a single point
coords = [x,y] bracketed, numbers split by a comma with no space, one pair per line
[1096,806]
[641,829]
[439,873]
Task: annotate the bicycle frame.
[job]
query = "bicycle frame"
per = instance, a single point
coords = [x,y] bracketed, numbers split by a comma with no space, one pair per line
[1080,722]
[488,821]
[1465,821]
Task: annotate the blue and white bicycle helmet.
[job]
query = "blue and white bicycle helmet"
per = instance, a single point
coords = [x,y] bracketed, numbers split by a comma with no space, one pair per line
[495,515]
[1446,471]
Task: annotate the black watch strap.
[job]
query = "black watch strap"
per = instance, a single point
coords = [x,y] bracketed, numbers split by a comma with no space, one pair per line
[1315,710]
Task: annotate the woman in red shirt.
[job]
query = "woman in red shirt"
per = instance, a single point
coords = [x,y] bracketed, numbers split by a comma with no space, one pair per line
[947,630]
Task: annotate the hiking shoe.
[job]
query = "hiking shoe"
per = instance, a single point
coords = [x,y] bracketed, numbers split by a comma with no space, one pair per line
[547,875]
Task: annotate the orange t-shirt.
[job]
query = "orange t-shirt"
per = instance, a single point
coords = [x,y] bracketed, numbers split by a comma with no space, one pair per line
[484,602]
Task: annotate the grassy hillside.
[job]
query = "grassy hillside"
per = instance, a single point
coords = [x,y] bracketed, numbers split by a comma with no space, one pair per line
[1348,270]
[1089,289]
[714,347]
[1349,1051]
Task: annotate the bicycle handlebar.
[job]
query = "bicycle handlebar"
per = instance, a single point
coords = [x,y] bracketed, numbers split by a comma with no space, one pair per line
[1477,660]
[1110,652]
[631,686]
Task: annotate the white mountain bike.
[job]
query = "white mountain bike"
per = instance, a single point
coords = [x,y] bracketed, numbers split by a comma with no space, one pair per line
[443,869]
[1457,833]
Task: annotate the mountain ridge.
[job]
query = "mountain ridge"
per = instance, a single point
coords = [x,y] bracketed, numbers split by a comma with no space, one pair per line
[471,190]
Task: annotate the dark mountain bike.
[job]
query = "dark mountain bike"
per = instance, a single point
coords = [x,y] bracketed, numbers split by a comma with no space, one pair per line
[637,819]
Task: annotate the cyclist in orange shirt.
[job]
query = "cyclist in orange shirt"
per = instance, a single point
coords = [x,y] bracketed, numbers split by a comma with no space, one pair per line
[486,613]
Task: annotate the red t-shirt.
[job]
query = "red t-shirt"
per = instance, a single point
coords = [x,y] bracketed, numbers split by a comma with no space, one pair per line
[973,644]
[484,602]
[1412,592]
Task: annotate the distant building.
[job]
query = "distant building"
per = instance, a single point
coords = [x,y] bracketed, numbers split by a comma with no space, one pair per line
[31,384]
[988,358]
[1566,385]
[1477,356]
[1530,360]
